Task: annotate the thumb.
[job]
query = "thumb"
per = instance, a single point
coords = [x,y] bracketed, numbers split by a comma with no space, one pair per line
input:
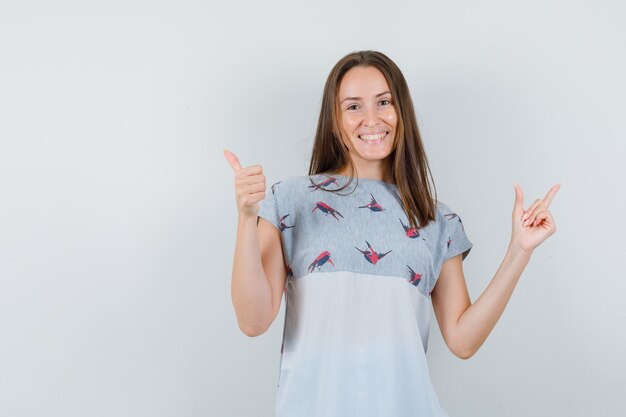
[232,160]
[519,199]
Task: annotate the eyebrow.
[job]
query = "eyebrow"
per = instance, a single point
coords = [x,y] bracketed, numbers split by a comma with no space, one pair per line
[359,98]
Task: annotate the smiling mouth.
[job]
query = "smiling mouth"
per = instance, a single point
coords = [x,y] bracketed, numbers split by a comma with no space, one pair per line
[373,138]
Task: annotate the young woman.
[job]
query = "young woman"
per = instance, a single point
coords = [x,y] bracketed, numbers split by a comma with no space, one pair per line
[362,250]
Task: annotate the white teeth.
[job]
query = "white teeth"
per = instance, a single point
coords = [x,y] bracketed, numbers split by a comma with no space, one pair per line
[373,137]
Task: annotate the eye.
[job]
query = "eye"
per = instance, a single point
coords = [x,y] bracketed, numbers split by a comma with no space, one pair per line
[385,102]
[352,107]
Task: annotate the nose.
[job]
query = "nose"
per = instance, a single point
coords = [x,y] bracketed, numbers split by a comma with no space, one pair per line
[370,118]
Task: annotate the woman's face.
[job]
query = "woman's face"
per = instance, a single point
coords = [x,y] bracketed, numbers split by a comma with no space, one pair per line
[368,118]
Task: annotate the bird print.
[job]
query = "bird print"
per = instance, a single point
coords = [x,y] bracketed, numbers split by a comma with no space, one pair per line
[274,185]
[326,209]
[414,278]
[370,255]
[283,226]
[324,184]
[411,232]
[321,259]
[454,215]
[373,205]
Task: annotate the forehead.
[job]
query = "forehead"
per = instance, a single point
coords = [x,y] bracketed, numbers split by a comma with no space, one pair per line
[362,82]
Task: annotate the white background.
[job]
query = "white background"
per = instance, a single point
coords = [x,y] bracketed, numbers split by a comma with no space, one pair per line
[118,216]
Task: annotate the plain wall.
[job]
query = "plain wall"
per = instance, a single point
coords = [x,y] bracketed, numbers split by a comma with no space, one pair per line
[118,215]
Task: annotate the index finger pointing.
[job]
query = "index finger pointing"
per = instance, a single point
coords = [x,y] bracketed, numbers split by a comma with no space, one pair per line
[233,160]
[550,195]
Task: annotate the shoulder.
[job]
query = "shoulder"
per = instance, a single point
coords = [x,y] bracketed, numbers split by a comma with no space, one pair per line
[445,214]
[287,183]
[443,211]
[450,218]
[295,182]
[446,211]
[288,189]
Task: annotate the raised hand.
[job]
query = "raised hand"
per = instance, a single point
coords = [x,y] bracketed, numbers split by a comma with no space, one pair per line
[249,185]
[531,227]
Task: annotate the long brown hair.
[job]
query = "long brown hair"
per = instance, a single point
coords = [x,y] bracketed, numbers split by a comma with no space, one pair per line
[408,166]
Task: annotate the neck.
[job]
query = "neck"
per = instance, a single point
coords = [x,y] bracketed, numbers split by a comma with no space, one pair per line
[377,173]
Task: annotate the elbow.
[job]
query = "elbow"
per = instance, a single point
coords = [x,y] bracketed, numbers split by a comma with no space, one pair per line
[254,328]
[252,331]
[250,328]
[463,353]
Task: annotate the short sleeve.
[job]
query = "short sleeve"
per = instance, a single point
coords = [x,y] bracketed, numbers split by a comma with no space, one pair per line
[456,237]
[268,207]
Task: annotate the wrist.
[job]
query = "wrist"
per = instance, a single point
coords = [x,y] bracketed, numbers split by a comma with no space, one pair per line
[246,220]
[516,249]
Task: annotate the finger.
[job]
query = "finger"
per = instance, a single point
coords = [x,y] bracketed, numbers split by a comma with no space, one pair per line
[232,160]
[539,218]
[531,214]
[550,195]
[536,217]
[252,194]
[532,209]
[518,206]
[250,189]
[251,170]
[550,222]
[251,179]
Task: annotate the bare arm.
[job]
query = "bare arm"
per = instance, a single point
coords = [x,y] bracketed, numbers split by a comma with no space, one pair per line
[259,272]
[465,326]
[259,275]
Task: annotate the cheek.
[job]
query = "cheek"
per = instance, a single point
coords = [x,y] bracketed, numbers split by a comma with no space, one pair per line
[392,119]
[345,131]
[349,124]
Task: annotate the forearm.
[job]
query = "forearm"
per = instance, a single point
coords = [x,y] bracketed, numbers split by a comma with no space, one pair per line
[250,289]
[480,318]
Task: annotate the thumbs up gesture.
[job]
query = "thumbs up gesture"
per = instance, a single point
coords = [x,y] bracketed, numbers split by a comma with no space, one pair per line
[249,185]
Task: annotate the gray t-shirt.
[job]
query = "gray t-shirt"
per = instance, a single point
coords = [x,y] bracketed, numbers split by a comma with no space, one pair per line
[357,296]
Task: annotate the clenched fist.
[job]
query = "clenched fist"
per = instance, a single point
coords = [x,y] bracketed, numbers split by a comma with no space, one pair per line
[249,186]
